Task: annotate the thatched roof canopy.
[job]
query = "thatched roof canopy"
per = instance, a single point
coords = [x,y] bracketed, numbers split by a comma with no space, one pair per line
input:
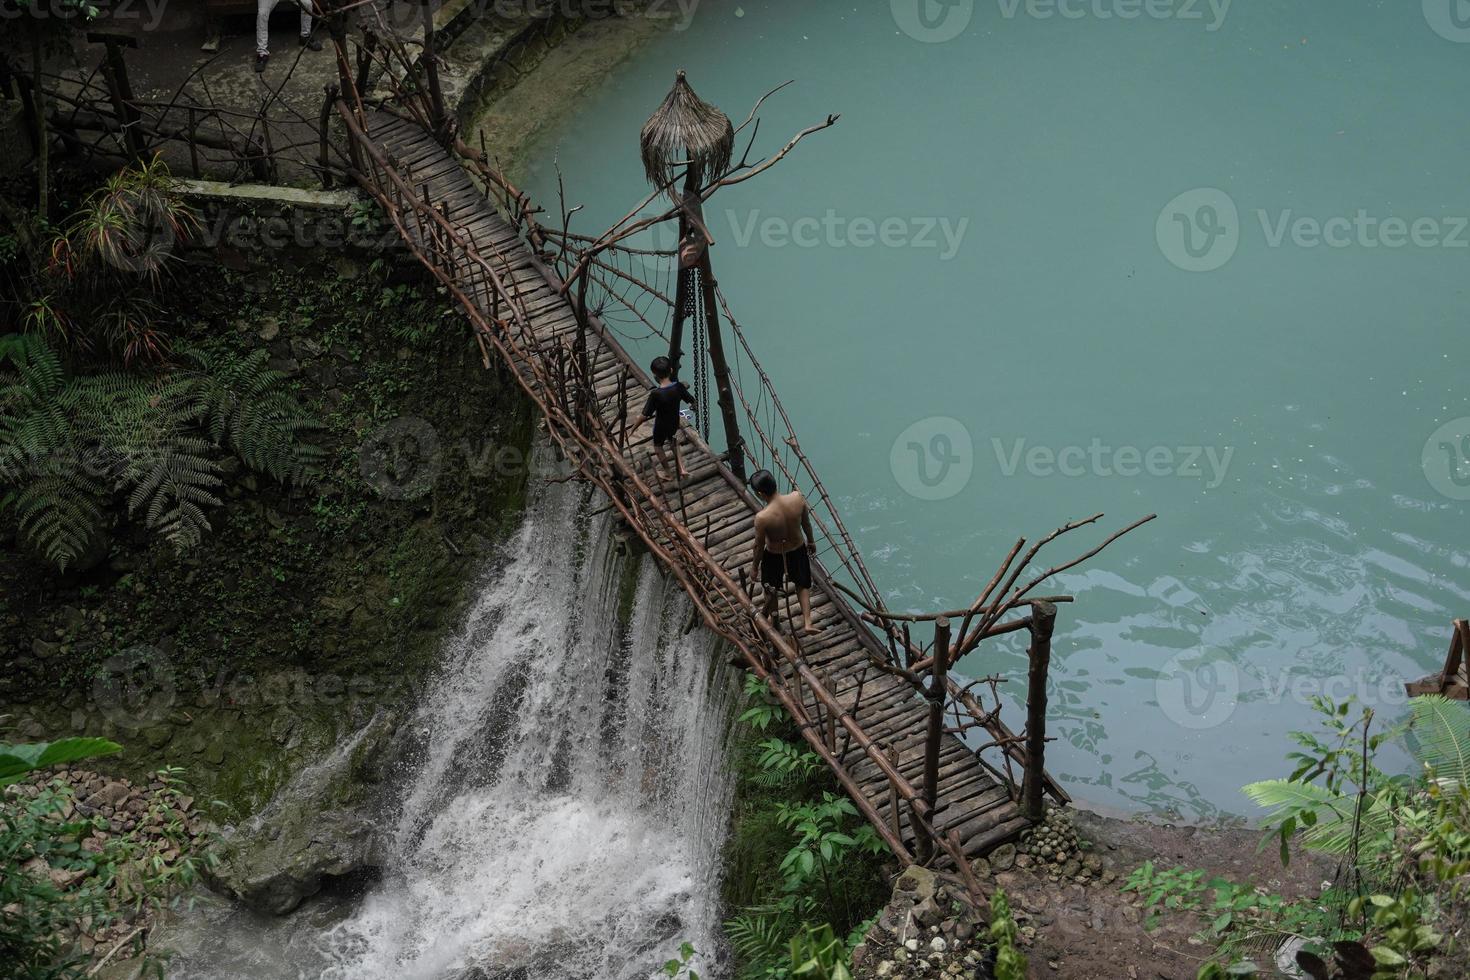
[685,128]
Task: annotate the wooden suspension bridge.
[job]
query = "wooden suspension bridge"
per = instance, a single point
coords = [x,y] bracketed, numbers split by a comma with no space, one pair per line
[883,712]
[922,752]
[868,724]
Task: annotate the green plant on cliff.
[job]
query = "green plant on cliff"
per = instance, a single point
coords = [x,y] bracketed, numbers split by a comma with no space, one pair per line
[91,293]
[72,444]
[19,761]
[681,967]
[816,954]
[801,860]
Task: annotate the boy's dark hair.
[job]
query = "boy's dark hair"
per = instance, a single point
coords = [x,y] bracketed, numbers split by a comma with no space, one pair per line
[661,367]
[763,483]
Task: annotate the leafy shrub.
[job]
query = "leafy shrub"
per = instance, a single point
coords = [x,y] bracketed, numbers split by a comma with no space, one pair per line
[50,884]
[70,444]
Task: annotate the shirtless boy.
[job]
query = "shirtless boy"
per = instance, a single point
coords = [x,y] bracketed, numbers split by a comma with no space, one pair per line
[784,545]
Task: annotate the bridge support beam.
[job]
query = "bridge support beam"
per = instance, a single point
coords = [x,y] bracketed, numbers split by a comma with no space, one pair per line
[938,675]
[1043,621]
[734,444]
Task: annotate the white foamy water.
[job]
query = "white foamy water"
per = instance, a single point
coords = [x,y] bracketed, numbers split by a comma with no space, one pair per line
[565,815]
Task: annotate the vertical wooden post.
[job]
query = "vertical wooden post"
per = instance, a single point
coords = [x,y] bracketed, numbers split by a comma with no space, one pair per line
[734,445]
[833,722]
[585,389]
[919,816]
[893,799]
[1043,621]
[329,96]
[938,674]
[364,65]
[115,69]
[431,66]
[681,288]
[30,106]
[193,146]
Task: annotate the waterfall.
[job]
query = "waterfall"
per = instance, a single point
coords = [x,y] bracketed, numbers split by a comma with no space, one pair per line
[565,811]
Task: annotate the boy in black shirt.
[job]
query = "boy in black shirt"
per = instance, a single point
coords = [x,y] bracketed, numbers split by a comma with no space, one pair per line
[663,408]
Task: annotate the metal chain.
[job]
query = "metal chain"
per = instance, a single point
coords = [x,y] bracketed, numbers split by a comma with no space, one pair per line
[695,296]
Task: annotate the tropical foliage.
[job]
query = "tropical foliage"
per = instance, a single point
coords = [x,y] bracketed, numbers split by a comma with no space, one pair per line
[1399,910]
[70,445]
[805,916]
[91,294]
[52,884]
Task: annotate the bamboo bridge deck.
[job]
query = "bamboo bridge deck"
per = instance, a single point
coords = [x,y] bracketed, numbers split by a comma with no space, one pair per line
[979,809]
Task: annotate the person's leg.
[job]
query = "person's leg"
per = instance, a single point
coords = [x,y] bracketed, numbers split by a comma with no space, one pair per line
[662,455]
[771,578]
[263,10]
[804,596]
[679,458]
[307,40]
[801,577]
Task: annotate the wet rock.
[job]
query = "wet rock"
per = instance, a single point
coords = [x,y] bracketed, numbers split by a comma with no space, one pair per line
[275,876]
[322,829]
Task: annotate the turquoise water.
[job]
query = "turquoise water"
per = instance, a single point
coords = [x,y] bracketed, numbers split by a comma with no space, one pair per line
[1021,334]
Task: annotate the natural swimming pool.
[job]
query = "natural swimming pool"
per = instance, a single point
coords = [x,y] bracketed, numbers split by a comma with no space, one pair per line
[1201,259]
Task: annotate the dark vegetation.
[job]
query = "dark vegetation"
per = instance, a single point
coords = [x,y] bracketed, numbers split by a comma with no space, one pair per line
[273,391]
[799,860]
[207,466]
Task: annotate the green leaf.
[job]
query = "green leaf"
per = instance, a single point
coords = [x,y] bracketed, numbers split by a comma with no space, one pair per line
[1387,957]
[1442,730]
[17,761]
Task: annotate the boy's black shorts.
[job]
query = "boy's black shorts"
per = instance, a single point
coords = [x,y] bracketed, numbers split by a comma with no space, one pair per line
[664,431]
[794,566]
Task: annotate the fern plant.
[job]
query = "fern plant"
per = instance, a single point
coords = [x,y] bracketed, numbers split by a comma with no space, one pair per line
[1440,733]
[244,405]
[781,762]
[1336,798]
[759,937]
[70,445]
[1327,813]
